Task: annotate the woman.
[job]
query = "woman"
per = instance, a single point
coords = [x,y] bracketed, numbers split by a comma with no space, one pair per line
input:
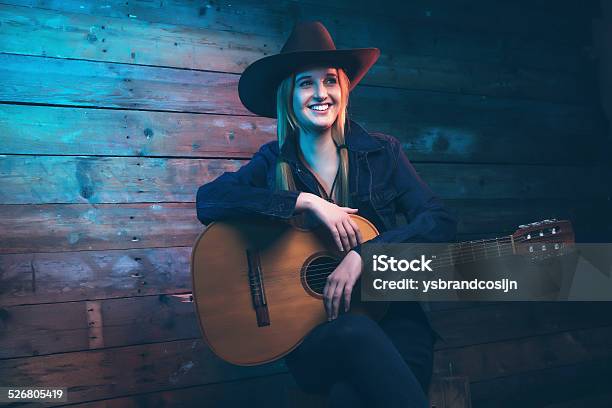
[328,167]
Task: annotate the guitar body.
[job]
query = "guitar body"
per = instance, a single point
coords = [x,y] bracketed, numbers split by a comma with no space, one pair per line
[257,286]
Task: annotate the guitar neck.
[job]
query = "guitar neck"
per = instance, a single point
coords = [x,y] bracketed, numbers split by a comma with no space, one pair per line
[537,240]
[474,251]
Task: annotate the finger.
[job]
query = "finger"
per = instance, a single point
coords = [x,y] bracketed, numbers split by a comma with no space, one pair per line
[349,209]
[357,231]
[328,293]
[326,302]
[348,290]
[350,230]
[336,237]
[337,297]
[346,246]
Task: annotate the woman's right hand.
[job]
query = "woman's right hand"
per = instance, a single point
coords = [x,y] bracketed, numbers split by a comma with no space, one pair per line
[343,229]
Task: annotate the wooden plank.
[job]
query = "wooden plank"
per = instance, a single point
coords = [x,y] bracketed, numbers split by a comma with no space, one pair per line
[86,84]
[504,216]
[444,392]
[593,400]
[104,38]
[104,226]
[374,105]
[72,227]
[67,179]
[103,132]
[487,361]
[79,36]
[540,388]
[73,276]
[511,320]
[123,371]
[266,391]
[24,336]
[99,180]
[480,182]
[88,325]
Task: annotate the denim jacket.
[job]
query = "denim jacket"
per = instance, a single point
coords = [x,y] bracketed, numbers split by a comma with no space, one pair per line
[382,183]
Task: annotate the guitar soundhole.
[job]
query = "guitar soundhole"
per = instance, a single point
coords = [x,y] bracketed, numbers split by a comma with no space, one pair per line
[317,271]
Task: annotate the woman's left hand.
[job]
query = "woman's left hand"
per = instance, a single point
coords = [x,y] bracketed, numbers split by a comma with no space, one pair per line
[340,284]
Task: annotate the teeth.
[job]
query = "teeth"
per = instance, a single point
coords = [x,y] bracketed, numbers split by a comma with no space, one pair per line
[320,107]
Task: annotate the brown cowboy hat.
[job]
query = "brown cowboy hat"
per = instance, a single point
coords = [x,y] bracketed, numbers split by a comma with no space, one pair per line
[308,45]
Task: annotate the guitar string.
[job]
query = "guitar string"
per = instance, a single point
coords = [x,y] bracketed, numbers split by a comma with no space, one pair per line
[441,262]
[333,265]
[460,248]
[321,276]
[473,255]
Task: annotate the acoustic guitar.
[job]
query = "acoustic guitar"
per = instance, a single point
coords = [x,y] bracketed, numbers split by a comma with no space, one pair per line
[257,284]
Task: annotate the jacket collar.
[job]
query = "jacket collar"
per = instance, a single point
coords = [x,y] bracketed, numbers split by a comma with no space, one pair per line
[357,139]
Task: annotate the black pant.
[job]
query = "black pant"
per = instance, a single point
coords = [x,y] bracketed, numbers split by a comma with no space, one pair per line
[359,362]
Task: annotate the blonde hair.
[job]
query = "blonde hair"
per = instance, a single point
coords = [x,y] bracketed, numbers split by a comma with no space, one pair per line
[288,128]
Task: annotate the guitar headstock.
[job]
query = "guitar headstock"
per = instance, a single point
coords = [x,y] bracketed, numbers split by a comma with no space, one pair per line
[544,239]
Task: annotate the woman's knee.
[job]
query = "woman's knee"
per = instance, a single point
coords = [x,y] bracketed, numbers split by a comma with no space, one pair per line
[352,329]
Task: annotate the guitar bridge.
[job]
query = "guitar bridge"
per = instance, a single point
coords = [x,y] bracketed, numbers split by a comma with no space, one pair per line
[258,293]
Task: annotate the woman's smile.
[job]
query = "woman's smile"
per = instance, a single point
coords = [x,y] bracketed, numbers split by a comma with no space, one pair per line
[321,108]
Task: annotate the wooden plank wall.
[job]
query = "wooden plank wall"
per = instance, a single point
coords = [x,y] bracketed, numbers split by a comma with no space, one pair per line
[112,113]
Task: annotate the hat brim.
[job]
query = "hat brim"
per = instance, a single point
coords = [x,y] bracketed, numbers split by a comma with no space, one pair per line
[260,80]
